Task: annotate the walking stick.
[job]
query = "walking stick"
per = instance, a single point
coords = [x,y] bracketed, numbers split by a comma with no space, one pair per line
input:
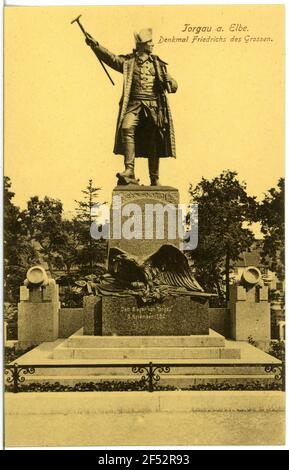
[86,35]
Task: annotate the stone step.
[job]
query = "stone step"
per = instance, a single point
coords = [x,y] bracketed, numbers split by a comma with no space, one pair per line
[250,367]
[198,341]
[180,381]
[146,353]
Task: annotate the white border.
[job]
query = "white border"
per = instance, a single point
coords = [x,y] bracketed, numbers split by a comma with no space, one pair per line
[128,2]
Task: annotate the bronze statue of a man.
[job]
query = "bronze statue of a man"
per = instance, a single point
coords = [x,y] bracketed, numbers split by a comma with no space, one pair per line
[144,125]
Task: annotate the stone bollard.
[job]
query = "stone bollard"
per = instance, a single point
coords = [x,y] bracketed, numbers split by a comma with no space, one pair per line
[5,332]
[250,309]
[282,329]
[277,316]
[38,309]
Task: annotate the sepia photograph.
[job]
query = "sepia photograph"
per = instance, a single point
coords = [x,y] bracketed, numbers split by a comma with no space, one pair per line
[144,228]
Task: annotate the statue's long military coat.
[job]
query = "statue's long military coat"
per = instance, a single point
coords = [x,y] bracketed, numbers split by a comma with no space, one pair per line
[125,64]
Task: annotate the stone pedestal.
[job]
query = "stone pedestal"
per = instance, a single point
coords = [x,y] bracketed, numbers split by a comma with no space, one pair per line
[92,315]
[134,208]
[122,316]
[176,316]
[250,313]
[38,314]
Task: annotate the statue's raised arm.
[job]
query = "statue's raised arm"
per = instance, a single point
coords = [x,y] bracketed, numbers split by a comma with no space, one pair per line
[114,61]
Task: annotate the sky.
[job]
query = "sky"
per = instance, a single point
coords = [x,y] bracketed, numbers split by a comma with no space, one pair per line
[60,109]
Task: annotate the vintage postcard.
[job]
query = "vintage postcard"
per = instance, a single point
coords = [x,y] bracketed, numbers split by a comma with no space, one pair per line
[144,228]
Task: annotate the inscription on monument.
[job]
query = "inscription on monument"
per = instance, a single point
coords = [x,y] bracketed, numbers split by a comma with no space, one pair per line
[174,316]
[154,312]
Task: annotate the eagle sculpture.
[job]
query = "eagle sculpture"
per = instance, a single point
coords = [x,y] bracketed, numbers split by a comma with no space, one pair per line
[166,272]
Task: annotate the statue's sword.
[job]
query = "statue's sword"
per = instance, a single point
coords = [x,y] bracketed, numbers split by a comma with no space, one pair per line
[86,35]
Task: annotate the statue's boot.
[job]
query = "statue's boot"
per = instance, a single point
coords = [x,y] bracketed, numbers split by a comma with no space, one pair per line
[154,171]
[129,165]
[129,154]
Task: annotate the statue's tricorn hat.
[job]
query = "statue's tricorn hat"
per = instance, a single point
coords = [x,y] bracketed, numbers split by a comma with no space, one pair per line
[145,35]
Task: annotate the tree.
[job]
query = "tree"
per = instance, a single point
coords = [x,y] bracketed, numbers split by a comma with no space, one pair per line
[40,234]
[19,254]
[272,218]
[224,207]
[69,251]
[92,251]
[43,219]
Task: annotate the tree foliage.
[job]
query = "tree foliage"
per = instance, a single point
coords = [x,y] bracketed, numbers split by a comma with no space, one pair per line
[46,230]
[224,210]
[92,251]
[19,254]
[41,234]
[272,217]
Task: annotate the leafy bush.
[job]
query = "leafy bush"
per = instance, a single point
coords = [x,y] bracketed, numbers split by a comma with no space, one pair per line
[106,386]
[277,349]
[75,287]
[71,297]
[10,312]
[249,386]
[11,354]
[252,341]
[138,385]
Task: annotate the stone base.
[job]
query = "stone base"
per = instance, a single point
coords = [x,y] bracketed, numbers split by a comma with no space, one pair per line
[176,316]
[122,316]
[250,315]
[37,322]
[142,348]
[211,353]
[251,319]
